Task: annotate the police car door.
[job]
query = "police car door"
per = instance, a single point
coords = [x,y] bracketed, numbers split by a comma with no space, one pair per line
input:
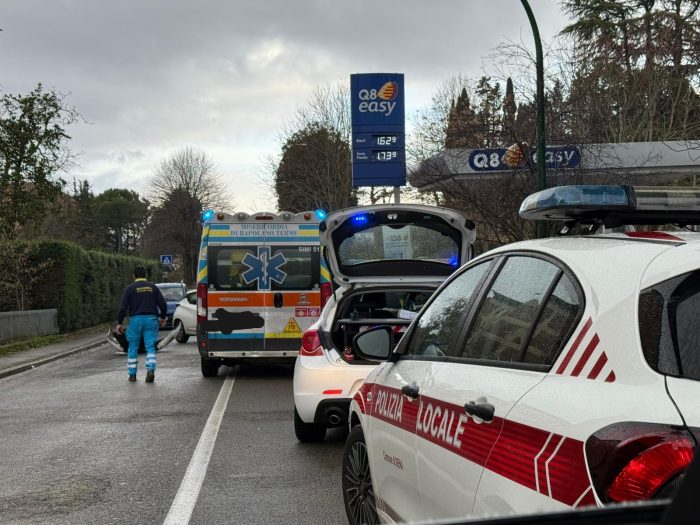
[468,393]
[400,402]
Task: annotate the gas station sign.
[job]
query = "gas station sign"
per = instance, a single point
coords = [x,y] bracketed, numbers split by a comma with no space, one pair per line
[378,130]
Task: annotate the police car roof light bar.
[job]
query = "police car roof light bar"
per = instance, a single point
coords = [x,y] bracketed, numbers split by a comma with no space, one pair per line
[613,206]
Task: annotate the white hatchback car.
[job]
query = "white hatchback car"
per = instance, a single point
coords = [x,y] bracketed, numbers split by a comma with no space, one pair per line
[385,261]
[543,375]
[185,317]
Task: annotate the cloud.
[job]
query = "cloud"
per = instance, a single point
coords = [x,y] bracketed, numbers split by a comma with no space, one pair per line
[154,76]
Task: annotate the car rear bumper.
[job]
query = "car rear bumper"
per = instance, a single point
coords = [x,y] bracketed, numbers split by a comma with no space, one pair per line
[320,384]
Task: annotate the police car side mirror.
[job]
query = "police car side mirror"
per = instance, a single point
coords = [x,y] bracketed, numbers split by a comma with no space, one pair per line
[374,344]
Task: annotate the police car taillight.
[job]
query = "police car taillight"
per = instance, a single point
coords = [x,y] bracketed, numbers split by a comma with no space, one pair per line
[201,303]
[630,204]
[311,344]
[326,292]
[637,461]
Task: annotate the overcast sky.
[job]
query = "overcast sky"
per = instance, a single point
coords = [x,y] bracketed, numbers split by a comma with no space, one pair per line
[152,76]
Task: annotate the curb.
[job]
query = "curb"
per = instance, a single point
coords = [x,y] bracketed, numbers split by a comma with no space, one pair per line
[33,364]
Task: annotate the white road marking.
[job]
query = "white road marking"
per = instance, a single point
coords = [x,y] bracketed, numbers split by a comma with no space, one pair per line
[188,493]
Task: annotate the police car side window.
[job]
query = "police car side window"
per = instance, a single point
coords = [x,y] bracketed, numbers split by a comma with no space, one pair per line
[554,325]
[507,312]
[440,321]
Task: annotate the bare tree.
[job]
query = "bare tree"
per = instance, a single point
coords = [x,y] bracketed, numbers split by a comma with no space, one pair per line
[193,172]
[183,186]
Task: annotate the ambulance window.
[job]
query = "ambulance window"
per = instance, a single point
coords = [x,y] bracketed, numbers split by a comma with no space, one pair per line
[508,310]
[440,320]
[226,268]
[555,324]
[300,267]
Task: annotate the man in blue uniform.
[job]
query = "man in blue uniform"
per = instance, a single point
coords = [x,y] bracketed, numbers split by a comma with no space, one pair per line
[143,301]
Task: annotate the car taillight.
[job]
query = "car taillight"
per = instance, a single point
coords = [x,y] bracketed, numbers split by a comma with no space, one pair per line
[326,292]
[311,344]
[201,303]
[637,461]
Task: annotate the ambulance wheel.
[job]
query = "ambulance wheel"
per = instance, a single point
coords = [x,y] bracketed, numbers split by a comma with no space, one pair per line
[308,432]
[358,493]
[181,336]
[209,368]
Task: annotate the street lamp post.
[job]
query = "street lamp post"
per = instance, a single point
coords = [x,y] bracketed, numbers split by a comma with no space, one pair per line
[541,174]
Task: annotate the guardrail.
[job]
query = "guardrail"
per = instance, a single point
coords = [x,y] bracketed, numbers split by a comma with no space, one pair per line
[28,323]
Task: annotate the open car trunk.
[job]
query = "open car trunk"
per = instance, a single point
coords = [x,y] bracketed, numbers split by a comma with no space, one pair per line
[365,308]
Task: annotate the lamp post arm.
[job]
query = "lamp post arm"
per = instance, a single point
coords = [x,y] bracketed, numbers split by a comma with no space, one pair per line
[541,174]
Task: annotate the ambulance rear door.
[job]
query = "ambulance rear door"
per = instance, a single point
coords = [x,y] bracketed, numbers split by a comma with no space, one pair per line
[294,298]
[236,308]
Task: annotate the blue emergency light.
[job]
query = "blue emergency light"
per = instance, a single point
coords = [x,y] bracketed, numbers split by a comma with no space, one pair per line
[360,219]
[614,205]
[321,215]
[208,214]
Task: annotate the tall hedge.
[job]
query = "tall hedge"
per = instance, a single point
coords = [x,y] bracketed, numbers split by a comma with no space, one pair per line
[84,286]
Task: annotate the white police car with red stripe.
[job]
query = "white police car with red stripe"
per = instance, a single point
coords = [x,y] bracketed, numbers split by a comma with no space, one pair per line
[385,261]
[543,375]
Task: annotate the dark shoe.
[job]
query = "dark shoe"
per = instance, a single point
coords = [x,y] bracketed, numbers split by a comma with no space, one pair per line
[132,378]
[150,376]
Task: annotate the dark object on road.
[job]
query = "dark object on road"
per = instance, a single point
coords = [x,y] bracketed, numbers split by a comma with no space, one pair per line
[120,342]
[226,322]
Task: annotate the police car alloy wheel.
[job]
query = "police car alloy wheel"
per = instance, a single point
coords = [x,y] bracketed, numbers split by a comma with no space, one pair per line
[358,493]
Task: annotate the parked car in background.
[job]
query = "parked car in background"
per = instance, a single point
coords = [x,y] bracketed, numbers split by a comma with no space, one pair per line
[385,261]
[185,317]
[544,375]
[173,294]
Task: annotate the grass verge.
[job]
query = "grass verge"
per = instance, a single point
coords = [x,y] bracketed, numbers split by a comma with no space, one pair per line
[38,342]
[26,344]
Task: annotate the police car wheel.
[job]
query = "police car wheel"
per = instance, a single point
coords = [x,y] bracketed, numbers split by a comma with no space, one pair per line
[308,432]
[209,368]
[358,493]
[181,336]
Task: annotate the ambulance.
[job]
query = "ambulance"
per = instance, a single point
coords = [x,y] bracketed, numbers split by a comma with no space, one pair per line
[261,283]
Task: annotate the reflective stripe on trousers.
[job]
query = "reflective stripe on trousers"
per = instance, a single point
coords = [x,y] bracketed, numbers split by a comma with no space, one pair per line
[145,326]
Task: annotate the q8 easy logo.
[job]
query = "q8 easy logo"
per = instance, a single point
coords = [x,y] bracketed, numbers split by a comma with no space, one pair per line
[382,100]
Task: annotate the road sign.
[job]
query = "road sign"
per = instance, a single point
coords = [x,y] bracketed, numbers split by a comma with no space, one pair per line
[378,130]
[166,260]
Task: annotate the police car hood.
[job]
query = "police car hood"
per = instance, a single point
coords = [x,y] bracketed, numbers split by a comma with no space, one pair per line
[395,243]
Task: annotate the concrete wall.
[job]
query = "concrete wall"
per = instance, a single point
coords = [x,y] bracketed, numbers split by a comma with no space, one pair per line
[30,323]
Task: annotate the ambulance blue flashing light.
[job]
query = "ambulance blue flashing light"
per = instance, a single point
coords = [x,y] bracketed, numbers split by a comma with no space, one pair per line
[321,215]
[207,215]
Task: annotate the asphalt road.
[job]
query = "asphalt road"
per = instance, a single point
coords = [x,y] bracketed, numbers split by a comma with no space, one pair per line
[80,444]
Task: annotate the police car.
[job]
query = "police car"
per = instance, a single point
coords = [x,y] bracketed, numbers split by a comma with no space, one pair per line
[385,262]
[544,375]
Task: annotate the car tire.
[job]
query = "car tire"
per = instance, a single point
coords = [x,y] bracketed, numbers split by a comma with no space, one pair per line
[181,336]
[358,492]
[209,368]
[308,432]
